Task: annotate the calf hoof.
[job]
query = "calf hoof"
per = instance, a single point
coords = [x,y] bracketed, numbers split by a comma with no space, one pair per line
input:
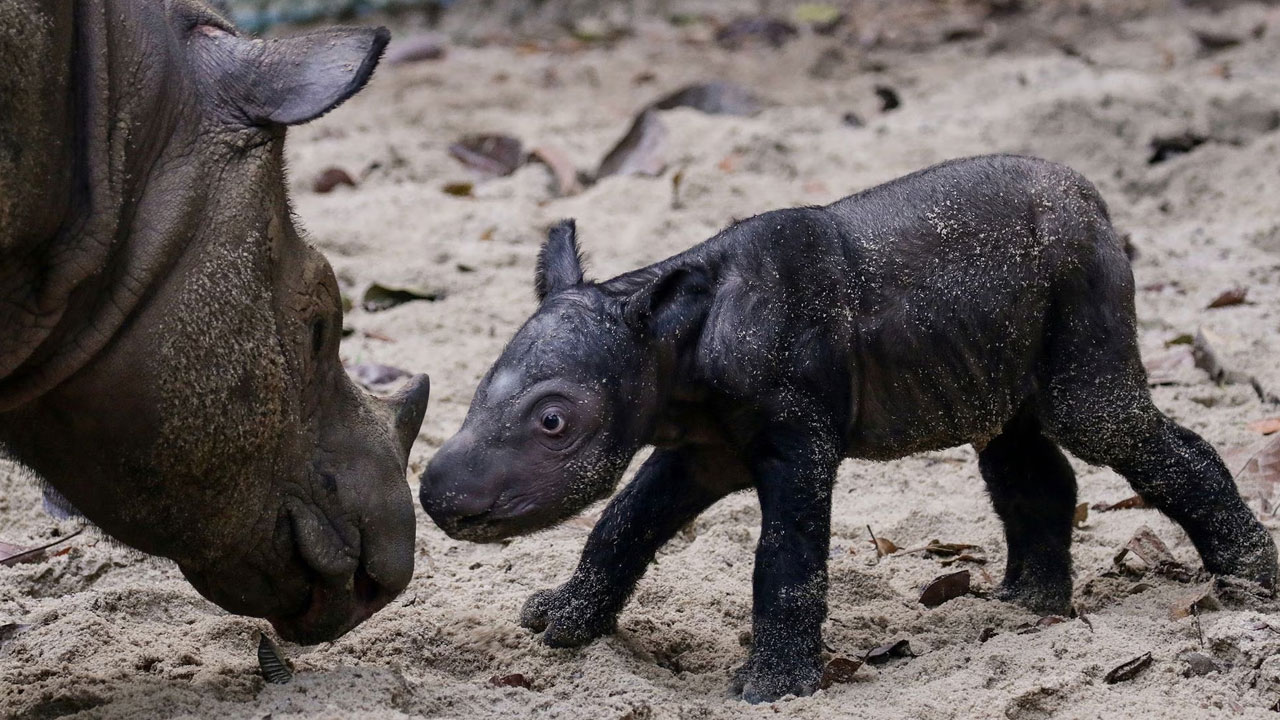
[565,617]
[761,681]
[1045,599]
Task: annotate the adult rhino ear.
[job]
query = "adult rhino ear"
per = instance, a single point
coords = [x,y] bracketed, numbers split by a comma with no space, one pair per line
[286,81]
[672,305]
[559,262]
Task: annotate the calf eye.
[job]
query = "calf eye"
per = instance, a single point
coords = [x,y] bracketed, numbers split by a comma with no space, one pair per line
[552,423]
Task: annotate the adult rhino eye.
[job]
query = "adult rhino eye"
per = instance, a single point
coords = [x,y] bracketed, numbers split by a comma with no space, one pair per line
[552,423]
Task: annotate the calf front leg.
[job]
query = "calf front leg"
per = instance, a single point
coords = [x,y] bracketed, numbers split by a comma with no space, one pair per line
[670,489]
[794,472]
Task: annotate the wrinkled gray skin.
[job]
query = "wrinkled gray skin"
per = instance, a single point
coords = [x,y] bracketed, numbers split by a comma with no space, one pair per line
[169,357]
[985,301]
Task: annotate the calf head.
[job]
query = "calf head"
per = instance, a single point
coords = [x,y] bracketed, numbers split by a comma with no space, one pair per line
[215,425]
[574,395]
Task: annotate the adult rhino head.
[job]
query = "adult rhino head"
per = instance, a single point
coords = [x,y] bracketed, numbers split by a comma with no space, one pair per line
[168,343]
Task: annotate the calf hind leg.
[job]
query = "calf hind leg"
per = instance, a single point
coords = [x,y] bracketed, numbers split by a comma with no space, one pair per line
[1178,473]
[1033,490]
[1095,403]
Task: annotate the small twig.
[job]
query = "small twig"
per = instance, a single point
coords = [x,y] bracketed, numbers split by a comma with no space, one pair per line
[1195,613]
[875,543]
[17,557]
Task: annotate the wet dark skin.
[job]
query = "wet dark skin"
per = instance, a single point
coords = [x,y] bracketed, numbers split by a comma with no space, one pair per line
[984,301]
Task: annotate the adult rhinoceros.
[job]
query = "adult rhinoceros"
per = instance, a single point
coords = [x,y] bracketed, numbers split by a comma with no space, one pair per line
[168,344]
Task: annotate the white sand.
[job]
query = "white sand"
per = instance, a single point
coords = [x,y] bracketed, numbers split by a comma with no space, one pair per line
[114,634]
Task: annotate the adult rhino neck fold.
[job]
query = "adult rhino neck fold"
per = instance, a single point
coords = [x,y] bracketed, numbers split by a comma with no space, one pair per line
[67,295]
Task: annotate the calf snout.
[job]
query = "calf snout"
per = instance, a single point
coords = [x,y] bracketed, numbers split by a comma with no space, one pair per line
[459,490]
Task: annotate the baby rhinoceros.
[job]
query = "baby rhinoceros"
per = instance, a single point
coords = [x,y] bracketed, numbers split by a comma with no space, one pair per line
[985,301]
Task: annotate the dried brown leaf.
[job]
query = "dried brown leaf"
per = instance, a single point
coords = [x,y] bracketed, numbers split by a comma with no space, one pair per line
[1134,502]
[944,588]
[1192,603]
[888,651]
[839,670]
[562,169]
[1234,296]
[1267,426]
[489,154]
[713,98]
[1129,669]
[1166,368]
[640,151]
[512,680]
[1081,515]
[941,549]
[331,178]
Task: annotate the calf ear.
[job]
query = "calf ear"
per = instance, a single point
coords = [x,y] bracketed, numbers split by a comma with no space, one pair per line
[673,305]
[559,262]
[286,81]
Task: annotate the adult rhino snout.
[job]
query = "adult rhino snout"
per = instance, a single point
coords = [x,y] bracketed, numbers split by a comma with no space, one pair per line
[357,546]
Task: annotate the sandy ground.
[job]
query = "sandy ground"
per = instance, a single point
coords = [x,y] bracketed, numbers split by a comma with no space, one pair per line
[105,632]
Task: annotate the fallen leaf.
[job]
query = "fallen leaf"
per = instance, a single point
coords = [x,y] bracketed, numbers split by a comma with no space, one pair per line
[1201,599]
[489,154]
[639,152]
[941,549]
[1134,502]
[1234,296]
[459,189]
[1081,515]
[1212,41]
[1128,670]
[379,297]
[883,546]
[1265,427]
[416,48]
[375,375]
[889,98]
[331,178]
[1166,368]
[271,662]
[713,98]
[944,588]
[887,652]
[1038,625]
[563,172]
[513,680]
[1207,359]
[1154,553]
[1169,146]
[770,30]
[1259,478]
[9,631]
[839,670]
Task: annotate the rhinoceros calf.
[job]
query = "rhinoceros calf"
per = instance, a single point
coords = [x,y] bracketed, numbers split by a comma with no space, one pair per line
[984,301]
[168,344]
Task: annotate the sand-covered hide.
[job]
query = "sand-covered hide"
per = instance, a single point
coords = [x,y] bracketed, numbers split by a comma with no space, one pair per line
[107,633]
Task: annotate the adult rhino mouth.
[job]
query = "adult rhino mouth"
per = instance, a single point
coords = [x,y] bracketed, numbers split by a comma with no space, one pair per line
[333,610]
